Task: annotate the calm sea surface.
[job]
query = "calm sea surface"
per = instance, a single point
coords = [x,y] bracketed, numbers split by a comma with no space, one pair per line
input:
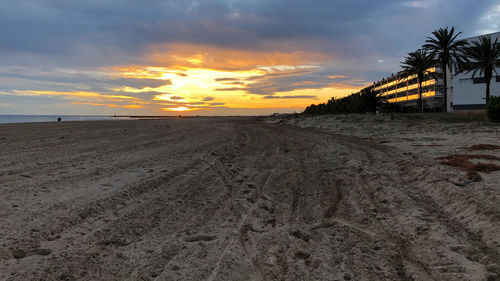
[53,118]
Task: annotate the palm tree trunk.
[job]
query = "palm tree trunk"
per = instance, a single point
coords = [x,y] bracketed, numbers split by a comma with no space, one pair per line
[488,90]
[445,89]
[420,95]
[488,73]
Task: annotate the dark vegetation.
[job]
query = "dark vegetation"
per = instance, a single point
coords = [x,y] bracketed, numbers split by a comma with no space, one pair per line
[362,102]
[493,108]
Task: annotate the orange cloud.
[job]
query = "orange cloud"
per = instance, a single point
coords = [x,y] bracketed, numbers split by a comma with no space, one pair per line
[91,98]
[131,106]
[211,57]
[73,94]
[337,76]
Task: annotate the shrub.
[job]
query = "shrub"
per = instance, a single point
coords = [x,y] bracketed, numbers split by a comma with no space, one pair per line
[362,102]
[493,108]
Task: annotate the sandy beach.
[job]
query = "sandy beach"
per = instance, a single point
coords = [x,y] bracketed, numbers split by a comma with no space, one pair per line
[356,197]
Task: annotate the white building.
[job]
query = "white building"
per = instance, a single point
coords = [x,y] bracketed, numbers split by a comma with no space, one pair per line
[470,93]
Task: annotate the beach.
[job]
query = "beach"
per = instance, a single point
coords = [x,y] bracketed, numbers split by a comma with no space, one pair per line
[357,197]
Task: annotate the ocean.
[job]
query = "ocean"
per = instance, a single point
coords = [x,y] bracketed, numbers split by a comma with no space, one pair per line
[5,119]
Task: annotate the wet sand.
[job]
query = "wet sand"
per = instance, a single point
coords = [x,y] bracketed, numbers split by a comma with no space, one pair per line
[330,198]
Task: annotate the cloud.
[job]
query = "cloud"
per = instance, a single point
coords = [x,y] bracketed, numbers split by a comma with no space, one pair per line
[232,89]
[71,80]
[141,95]
[129,106]
[176,98]
[226,79]
[490,22]
[337,77]
[226,58]
[126,28]
[208,98]
[239,83]
[290,97]
[63,99]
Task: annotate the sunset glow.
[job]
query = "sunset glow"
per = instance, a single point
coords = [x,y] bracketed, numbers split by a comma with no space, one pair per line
[180,108]
[190,88]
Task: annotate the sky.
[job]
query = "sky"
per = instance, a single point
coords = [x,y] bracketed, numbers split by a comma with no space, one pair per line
[210,57]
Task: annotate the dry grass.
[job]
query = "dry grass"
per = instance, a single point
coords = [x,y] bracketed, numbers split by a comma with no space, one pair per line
[450,117]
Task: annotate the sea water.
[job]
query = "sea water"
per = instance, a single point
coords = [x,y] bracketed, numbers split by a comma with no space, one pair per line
[4,119]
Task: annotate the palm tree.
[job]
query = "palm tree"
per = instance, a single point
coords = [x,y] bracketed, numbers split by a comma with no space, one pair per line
[446,50]
[483,56]
[418,63]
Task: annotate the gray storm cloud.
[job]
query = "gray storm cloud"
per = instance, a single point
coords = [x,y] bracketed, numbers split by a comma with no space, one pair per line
[95,32]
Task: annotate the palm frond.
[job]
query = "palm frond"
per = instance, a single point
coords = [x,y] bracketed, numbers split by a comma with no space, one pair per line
[445,46]
[482,55]
[418,62]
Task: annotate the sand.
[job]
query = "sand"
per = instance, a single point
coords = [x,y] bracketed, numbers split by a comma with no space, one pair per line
[360,198]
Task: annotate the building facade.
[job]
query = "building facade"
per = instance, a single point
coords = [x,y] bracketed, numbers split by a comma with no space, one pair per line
[403,90]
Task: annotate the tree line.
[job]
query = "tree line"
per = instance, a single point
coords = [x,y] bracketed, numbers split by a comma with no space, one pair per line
[364,101]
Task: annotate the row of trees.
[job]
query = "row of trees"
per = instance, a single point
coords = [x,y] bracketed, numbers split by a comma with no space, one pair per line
[365,101]
[443,49]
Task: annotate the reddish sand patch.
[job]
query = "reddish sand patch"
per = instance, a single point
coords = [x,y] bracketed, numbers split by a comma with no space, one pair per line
[483,147]
[429,145]
[462,162]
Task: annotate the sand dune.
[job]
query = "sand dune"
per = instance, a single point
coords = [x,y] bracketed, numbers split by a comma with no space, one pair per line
[243,199]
